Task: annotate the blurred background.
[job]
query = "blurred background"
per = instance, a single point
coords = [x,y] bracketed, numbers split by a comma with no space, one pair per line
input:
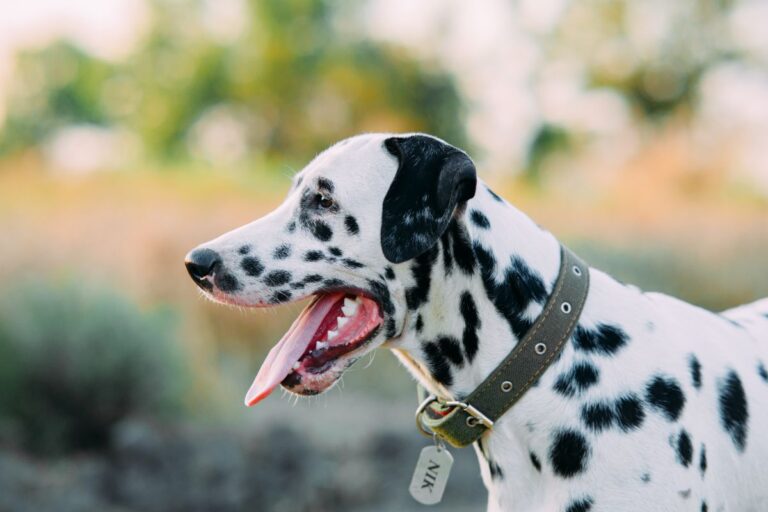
[132,130]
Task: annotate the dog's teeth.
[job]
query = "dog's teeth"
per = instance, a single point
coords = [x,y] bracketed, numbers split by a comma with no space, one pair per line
[320,345]
[358,300]
[342,321]
[349,308]
[296,365]
[332,334]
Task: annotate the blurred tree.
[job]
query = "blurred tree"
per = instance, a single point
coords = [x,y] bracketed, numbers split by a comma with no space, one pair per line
[293,80]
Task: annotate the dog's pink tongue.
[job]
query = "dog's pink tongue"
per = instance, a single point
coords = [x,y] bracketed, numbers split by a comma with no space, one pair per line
[290,348]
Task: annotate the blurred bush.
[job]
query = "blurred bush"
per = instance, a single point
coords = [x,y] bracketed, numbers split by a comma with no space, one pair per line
[75,360]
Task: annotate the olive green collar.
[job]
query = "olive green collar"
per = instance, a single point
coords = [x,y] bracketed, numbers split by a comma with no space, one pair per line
[461,423]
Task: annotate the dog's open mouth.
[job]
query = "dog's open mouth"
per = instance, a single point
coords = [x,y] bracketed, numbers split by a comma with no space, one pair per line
[319,345]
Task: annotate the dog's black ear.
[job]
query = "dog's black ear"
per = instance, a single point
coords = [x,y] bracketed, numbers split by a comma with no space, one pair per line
[431,180]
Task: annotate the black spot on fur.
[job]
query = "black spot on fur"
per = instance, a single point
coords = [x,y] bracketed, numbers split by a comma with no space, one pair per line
[580,505]
[281,296]
[577,380]
[349,262]
[226,282]
[297,286]
[602,339]
[438,365]
[282,252]
[391,327]
[351,224]
[495,469]
[333,283]
[450,348]
[684,449]
[685,494]
[277,278]
[645,478]
[665,395]
[389,273]
[704,507]
[325,184]
[291,227]
[461,248]
[471,325]
[313,256]
[252,266]
[313,278]
[245,249]
[419,323]
[569,453]
[380,292]
[321,230]
[597,416]
[762,372]
[335,251]
[535,461]
[445,250]
[494,195]
[733,409]
[629,412]
[479,219]
[421,269]
[519,287]
[695,366]
[703,460]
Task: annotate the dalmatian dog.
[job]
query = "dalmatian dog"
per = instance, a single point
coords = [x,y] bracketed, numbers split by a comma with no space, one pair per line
[653,405]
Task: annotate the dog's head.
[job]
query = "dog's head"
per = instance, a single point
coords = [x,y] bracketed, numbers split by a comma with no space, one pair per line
[353,215]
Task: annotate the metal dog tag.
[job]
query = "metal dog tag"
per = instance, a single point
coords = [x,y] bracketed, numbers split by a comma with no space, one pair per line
[431,475]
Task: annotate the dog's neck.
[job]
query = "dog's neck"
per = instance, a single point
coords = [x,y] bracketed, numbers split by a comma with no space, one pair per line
[474,295]
[471,299]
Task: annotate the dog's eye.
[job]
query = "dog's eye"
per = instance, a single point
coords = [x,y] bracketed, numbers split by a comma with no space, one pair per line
[324,201]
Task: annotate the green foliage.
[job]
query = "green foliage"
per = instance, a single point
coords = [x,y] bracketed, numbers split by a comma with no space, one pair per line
[75,360]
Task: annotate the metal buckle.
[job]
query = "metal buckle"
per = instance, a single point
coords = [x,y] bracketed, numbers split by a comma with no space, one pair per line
[473,412]
[423,405]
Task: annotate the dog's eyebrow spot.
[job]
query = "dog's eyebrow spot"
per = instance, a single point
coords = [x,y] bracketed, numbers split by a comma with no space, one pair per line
[580,505]
[325,184]
[664,394]
[244,249]
[277,278]
[335,251]
[281,252]
[313,256]
[684,449]
[351,224]
[734,412]
[252,266]
[569,453]
[479,219]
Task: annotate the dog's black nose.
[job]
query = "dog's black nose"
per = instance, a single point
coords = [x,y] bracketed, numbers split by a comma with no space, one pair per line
[202,263]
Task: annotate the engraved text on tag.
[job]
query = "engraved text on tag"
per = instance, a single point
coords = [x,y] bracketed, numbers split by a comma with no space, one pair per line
[431,475]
